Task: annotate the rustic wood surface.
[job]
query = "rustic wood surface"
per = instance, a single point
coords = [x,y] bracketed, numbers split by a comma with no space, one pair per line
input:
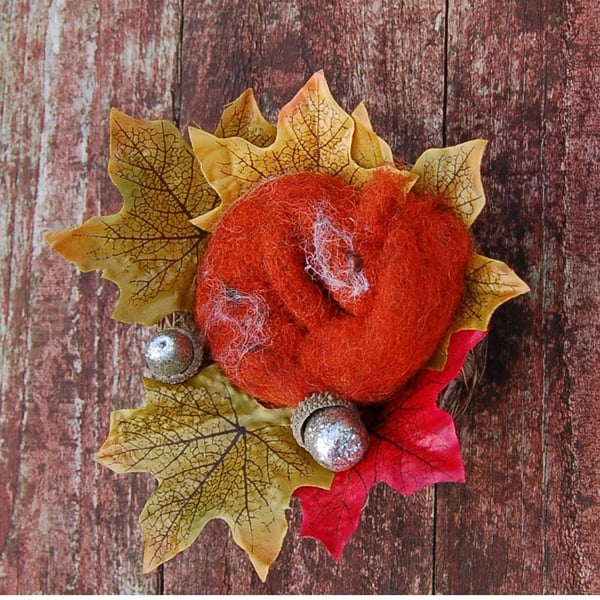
[525,75]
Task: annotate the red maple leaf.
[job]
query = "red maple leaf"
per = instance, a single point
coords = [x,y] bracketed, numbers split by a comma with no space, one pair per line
[413,445]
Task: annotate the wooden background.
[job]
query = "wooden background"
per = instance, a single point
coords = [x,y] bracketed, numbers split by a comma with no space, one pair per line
[525,74]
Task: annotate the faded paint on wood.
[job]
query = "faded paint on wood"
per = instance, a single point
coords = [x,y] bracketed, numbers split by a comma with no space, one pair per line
[68,525]
[526,519]
[523,75]
[498,514]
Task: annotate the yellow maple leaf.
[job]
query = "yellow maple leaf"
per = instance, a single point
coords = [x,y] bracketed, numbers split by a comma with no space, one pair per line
[313,134]
[149,247]
[242,118]
[216,453]
[368,149]
[454,174]
[489,283]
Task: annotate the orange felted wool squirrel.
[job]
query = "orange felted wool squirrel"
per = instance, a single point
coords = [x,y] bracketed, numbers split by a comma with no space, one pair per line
[309,285]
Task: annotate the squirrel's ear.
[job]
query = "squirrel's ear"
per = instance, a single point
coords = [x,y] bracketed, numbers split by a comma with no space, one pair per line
[382,196]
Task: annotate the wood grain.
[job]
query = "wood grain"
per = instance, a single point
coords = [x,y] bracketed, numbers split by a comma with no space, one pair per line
[527,510]
[495,521]
[524,75]
[572,500]
[67,525]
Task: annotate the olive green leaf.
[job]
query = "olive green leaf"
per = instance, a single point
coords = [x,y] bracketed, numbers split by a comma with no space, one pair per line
[216,453]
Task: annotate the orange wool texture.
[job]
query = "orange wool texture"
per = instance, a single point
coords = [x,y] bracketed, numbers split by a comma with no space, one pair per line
[309,285]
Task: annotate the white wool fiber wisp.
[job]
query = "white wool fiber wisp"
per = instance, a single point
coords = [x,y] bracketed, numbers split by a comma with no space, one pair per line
[246,315]
[329,243]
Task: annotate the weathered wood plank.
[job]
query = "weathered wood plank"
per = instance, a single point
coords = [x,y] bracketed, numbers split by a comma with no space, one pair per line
[489,532]
[524,75]
[68,525]
[386,57]
[520,523]
[573,464]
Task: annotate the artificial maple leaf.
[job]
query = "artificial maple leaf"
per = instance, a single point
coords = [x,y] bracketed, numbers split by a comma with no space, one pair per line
[149,248]
[368,149]
[488,284]
[313,134]
[455,174]
[216,453]
[242,118]
[413,444]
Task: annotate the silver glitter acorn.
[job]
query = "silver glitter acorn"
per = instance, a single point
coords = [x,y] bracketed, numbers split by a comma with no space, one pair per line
[173,355]
[331,430]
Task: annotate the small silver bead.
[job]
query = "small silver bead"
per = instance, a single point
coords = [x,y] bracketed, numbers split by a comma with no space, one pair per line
[173,355]
[331,430]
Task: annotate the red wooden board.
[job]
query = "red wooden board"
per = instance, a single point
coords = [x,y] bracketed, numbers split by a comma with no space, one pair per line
[524,75]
